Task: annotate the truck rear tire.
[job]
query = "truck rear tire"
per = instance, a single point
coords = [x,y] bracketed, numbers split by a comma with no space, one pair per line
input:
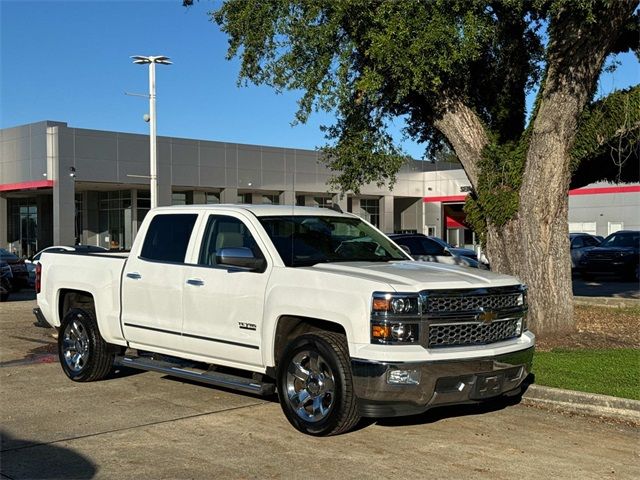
[83,353]
[315,385]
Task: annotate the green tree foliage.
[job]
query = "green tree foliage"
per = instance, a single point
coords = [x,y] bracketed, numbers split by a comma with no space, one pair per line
[371,61]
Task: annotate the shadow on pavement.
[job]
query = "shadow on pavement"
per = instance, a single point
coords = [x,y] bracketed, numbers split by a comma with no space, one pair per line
[26,459]
[23,295]
[440,413]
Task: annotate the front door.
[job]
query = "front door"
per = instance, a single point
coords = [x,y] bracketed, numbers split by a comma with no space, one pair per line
[223,306]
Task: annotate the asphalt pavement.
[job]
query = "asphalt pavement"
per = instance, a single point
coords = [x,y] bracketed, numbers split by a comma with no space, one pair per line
[145,425]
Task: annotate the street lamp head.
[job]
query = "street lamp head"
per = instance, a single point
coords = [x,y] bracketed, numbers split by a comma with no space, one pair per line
[141,59]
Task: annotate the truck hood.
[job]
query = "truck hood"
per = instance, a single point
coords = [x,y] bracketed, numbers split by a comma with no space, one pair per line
[416,276]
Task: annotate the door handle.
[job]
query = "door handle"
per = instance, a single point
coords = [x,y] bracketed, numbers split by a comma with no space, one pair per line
[196,282]
[134,275]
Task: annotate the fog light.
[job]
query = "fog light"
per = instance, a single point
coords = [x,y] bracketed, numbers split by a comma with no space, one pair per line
[403,377]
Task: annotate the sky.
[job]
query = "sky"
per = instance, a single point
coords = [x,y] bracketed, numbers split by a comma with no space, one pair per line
[69,61]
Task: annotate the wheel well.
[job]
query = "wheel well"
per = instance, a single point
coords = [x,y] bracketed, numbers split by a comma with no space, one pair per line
[290,327]
[74,299]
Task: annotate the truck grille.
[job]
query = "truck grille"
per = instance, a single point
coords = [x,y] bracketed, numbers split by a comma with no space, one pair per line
[472,317]
[472,333]
[459,303]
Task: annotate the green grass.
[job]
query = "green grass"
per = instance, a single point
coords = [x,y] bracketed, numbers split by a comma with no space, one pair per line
[614,372]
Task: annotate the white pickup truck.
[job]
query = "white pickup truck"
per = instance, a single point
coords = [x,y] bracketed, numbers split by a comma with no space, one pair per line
[312,303]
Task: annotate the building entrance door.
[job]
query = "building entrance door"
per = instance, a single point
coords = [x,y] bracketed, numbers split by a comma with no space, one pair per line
[28,230]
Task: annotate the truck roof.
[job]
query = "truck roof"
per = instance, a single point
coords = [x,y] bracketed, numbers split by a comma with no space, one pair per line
[263,210]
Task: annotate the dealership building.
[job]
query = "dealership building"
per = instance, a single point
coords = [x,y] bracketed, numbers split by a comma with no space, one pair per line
[61,185]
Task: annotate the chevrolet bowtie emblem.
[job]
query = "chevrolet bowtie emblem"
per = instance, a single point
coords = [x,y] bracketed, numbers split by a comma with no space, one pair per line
[487,316]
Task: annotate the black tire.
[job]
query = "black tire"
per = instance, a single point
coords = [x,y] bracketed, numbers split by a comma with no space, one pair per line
[4,297]
[332,352]
[93,357]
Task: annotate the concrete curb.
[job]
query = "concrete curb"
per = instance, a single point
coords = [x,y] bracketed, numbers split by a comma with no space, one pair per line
[607,301]
[591,404]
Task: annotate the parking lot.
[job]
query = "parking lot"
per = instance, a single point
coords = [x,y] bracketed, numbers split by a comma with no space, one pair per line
[146,425]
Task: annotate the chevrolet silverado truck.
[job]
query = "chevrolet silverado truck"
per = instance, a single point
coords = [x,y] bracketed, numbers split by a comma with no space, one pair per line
[316,305]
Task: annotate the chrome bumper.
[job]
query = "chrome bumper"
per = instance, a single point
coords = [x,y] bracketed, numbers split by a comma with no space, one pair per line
[440,383]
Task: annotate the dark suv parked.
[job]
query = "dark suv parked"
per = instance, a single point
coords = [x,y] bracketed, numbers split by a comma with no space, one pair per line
[618,254]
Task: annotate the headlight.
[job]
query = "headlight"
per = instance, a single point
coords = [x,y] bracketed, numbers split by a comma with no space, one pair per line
[394,304]
[395,318]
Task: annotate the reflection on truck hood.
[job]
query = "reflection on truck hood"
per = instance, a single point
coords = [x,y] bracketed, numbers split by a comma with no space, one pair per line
[416,276]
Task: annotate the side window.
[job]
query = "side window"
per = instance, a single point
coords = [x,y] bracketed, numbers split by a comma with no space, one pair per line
[168,237]
[578,242]
[225,232]
[432,248]
[413,244]
[591,242]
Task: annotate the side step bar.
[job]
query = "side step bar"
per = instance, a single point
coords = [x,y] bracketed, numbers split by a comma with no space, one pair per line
[188,371]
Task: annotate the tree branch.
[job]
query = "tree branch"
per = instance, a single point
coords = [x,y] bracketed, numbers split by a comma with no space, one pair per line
[467,135]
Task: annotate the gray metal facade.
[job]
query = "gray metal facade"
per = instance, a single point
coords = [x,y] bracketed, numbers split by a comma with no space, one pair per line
[36,162]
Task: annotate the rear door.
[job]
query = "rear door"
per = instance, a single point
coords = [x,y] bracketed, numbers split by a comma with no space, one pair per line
[223,306]
[153,281]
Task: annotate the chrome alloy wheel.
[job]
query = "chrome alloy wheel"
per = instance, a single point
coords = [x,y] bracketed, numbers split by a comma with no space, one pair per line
[310,386]
[75,346]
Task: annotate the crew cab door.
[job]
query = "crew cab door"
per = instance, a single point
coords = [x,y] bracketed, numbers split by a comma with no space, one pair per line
[223,305]
[153,280]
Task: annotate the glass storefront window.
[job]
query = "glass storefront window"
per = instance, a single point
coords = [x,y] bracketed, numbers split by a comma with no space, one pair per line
[212,198]
[178,198]
[271,199]
[23,226]
[370,210]
[114,219]
[244,198]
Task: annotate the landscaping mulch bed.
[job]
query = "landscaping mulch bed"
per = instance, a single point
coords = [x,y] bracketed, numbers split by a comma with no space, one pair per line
[598,328]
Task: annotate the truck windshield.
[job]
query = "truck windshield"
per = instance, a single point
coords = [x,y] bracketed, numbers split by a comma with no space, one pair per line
[307,240]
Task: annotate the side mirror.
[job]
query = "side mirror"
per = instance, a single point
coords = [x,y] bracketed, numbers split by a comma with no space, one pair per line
[406,249]
[446,253]
[240,257]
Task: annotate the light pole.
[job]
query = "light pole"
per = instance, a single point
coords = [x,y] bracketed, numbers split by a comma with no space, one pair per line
[153,169]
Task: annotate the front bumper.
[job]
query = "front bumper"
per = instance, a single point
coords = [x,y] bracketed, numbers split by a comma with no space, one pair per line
[440,382]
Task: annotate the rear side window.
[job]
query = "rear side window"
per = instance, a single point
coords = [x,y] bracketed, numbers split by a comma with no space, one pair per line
[168,237]
[432,248]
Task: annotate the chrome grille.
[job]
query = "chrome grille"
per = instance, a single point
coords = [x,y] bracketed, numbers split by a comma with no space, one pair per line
[459,303]
[471,333]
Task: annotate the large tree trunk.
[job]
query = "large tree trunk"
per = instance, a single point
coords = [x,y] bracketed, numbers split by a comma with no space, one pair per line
[534,245]
[574,64]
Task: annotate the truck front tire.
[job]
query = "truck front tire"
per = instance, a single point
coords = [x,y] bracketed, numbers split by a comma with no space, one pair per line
[315,385]
[83,353]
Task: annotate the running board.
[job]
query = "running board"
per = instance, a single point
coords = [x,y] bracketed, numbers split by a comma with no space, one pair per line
[185,370]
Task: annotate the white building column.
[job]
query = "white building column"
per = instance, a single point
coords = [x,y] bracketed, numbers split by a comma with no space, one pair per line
[355,206]
[256,198]
[199,197]
[288,197]
[386,213]
[229,195]
[64,205]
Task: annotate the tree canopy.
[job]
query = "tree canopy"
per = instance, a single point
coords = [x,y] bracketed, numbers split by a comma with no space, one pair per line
[371,61]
